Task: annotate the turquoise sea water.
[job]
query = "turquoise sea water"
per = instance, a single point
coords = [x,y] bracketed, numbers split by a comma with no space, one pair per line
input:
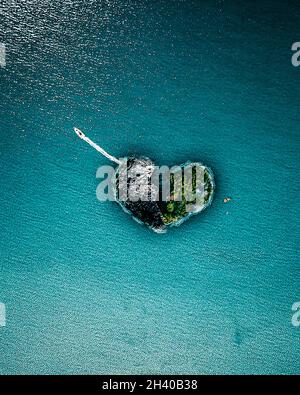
[88,290]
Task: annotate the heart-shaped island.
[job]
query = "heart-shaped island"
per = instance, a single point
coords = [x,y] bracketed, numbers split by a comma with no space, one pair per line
[159,197]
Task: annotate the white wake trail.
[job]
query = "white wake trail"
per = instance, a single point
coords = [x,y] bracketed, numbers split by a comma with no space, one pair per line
[81,135]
